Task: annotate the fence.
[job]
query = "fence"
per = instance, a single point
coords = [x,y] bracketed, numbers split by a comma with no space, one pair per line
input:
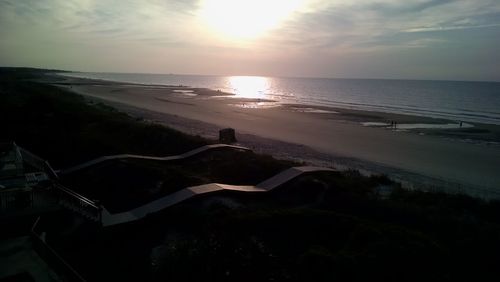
[50,256]
[37,162]
[78,203]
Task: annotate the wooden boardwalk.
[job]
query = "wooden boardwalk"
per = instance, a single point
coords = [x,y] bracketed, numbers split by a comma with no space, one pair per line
[141,157]
[109,219]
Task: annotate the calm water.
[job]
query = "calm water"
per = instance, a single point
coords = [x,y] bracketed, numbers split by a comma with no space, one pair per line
[456,100]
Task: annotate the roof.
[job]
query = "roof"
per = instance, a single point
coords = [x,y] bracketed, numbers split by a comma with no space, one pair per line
[11,161]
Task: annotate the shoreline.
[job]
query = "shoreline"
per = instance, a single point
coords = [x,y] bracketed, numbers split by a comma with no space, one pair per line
[361,106]
[333,138]
[423,125]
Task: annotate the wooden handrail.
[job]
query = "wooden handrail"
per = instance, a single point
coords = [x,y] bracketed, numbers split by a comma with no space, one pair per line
[77,196]
[143,157]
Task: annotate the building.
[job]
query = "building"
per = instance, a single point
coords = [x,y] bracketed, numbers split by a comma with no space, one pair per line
[21,174]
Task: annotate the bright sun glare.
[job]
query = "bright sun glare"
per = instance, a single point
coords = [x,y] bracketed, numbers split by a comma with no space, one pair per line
[241,19]
[249,86]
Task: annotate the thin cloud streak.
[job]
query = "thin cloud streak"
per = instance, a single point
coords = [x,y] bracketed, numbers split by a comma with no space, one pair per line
[446,28]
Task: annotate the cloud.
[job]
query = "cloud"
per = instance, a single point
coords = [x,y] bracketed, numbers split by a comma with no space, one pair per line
[99,16]
[352,25]
[447,28]
[320,24]
[114,31]
[485,20]
[405,7]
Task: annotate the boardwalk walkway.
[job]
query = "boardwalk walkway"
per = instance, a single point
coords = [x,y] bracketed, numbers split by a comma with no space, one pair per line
[108,219]
[187,193]
[141,157]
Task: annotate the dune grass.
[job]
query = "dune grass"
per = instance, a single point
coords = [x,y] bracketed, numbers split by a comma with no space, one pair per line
[126,184]
[61,127]
[334,227]
[320,227]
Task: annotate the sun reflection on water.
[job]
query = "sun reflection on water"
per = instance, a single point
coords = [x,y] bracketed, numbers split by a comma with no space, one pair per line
[249,86]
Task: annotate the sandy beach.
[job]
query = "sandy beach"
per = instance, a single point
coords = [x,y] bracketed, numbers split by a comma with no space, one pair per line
[466,159]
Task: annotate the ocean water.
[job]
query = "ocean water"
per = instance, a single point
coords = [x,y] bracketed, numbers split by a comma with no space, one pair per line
[454,100]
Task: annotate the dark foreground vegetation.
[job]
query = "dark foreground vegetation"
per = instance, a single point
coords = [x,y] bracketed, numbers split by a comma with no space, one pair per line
[319,227]
[62,128]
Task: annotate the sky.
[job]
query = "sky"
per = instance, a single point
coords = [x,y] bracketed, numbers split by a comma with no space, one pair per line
[407,39]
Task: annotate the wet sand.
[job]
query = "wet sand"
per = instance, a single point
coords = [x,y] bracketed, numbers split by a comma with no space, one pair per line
[469,157]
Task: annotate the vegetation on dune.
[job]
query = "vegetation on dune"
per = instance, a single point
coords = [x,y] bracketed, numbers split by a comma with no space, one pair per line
[320,227]
[62,128]
[342,231]
[138,182]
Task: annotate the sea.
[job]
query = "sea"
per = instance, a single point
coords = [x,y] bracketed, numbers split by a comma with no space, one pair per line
[477,102]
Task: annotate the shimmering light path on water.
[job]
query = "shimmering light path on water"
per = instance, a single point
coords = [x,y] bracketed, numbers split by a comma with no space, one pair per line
[455,100]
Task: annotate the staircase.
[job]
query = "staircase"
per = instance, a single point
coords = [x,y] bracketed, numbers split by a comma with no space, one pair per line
[77,203]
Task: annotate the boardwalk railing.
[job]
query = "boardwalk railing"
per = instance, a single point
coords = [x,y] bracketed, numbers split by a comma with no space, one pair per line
[51,257]
[95,211]
[141,157]
[190,192]
[37,162]
[78,203]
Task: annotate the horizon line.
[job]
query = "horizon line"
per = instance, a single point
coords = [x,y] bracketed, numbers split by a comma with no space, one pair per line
[256,75]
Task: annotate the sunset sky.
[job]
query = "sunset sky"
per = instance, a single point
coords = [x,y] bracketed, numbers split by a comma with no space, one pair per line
[417,39]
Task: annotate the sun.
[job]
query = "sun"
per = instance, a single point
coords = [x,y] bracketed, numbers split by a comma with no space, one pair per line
[243,19]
